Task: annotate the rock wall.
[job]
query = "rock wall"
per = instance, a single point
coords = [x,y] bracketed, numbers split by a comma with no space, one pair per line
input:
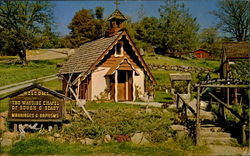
[179,68]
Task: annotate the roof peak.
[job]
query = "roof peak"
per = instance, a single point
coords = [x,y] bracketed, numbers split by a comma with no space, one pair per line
[117,15]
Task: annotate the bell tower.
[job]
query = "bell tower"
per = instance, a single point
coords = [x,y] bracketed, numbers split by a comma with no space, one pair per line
[116,20]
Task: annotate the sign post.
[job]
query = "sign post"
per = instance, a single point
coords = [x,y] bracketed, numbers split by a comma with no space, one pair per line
[36,104]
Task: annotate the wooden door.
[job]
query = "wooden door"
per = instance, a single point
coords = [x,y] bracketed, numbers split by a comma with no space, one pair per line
[112,87]
[121,86]
[130,86]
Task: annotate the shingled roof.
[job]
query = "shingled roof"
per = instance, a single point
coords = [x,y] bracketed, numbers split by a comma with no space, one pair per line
[86,55]
[236,49]
[117,15]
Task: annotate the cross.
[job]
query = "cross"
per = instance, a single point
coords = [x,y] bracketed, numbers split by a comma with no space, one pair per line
[116,4]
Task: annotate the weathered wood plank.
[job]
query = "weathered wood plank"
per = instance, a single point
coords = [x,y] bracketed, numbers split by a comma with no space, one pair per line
[197,128]
[222,86]
[227,107]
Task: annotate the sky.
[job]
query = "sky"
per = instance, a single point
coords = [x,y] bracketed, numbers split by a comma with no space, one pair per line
[64,11]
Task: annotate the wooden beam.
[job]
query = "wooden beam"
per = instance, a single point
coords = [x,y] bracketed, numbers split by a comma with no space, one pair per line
[226,106]
[177,101]
[222,86]
[197,128]
[204,91]
[81,104]
[185,103]
[116,86]
[133,77]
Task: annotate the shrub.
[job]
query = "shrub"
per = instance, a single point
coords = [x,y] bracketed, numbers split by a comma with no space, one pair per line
[122,122]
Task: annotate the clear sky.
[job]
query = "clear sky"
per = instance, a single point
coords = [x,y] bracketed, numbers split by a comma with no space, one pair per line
[65,10]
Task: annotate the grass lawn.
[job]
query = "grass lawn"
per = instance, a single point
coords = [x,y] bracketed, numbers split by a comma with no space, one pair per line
[53,84]
[13,73]
[4,104]
[43,147]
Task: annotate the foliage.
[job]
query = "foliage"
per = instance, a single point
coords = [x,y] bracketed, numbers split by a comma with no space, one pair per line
[147,31]
[121,122]
[234,18]
[210,41]
[49,39]
[240,70]
[22,24]
[181,87]
[99,12]
[185,142]
[178,29]
[84,27]
[175,31]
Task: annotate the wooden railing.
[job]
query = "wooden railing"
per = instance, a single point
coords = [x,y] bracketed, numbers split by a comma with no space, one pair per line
[242,117]
[185,105]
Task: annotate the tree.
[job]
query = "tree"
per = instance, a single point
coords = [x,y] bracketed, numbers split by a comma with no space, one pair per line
[178,28]
[147,31]
[233,18]
[175,31]
[49,39]
[99,12]
[84,27]
[22,23]
[210,41]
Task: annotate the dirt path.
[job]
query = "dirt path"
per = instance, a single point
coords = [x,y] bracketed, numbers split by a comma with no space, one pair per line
[228,150]
[46,54]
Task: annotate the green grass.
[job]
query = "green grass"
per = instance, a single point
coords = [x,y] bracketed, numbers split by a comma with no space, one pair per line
[4,58]
[4,105]
[13,73]
[53,84]
[161,60]
[163,97]
[38,146]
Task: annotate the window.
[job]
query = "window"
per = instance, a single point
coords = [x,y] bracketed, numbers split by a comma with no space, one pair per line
[119,49]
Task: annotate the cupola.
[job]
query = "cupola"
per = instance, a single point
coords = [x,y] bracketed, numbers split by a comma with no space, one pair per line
[116,20]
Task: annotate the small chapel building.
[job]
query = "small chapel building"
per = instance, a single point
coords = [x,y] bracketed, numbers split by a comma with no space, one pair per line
[108,68]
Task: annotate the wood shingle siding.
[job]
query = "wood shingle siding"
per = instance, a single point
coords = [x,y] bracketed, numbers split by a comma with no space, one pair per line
[86,55]
[236,50]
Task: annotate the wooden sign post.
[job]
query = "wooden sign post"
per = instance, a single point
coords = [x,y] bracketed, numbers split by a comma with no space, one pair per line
[36,104]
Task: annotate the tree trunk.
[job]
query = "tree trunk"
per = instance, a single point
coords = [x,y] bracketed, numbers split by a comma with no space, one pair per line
[22,56]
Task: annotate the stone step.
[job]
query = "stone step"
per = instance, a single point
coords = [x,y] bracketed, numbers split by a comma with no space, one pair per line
[208,121]
[216,150]
[212,129]
[219,141]
[208,125]
[215,134]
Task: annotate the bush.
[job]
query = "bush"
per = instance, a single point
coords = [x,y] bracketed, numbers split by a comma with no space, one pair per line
[123,122]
